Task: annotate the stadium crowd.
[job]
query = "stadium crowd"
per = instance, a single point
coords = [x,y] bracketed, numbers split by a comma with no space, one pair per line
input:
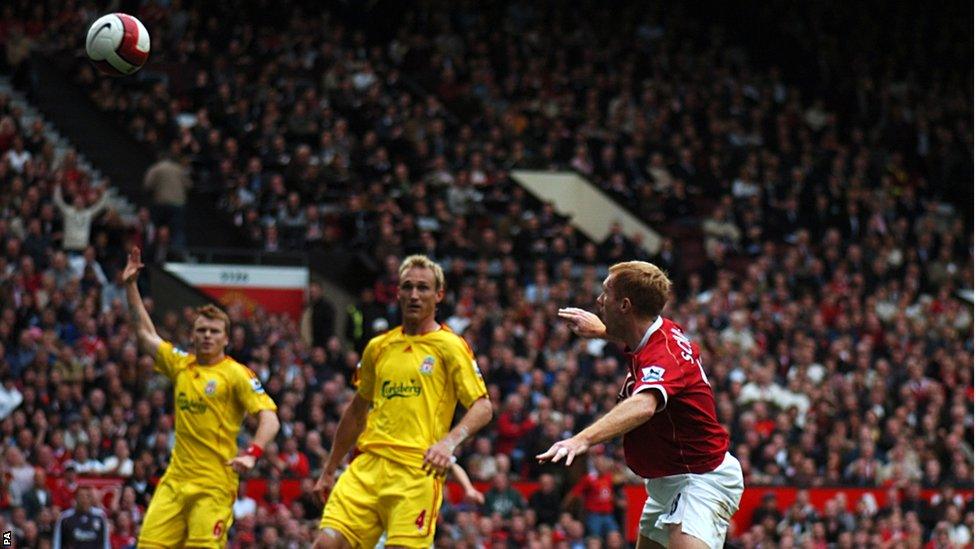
[828,298]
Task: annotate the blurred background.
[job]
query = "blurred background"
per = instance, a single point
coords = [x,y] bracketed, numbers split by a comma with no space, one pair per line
[803,171]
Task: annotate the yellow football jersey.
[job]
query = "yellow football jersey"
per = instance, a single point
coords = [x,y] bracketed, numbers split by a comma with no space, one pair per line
[210,403]
[414,384]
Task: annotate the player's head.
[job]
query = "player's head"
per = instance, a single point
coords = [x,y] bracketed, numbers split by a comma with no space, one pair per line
[423,262]
[421,288]
[634,290]
[210,332]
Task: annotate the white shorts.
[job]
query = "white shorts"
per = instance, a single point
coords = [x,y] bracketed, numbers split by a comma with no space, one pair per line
[703,504]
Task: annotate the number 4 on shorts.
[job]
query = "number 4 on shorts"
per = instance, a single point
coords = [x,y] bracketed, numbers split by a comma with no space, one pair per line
[420,520]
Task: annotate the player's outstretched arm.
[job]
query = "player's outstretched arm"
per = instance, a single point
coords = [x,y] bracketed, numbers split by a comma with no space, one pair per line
[268,425]
[149,340]
[351,424]
[583,323]
[438,457]
[624,417]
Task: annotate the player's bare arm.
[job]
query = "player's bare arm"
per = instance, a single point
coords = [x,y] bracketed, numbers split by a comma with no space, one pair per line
[583,323]
[268,425]
[149,340]
[471,494]
[351,424]
[438,457]
[624,417]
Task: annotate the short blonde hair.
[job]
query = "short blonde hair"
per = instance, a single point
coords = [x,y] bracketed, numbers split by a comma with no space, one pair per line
[645,284]
[214,312]
[423,262]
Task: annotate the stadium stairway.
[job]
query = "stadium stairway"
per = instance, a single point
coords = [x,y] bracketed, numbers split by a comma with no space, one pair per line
[29,115]
[116,155]
[107,150]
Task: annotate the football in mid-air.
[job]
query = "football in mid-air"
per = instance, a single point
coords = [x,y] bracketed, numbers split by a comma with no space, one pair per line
[118,44]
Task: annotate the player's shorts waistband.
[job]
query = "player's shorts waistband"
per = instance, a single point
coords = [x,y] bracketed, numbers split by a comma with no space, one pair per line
[394,456]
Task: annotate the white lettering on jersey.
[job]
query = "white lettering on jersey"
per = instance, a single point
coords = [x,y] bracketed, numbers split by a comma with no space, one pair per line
[686,353]
[683,342]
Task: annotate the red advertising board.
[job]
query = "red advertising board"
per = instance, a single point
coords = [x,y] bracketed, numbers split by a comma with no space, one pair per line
[636,494]
[276,290]
[751,498]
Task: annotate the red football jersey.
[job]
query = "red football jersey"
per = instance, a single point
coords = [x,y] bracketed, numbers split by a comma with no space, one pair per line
[684,436]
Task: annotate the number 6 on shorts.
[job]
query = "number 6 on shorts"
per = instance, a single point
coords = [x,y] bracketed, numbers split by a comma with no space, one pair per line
[674,504]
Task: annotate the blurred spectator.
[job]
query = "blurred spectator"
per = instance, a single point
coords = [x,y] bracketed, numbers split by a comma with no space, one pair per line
[37,497]
[10,397]
[21,475]
[546,501]
[291,462]
[123,532]
[85,526]
[119,464]
[168,180]
[513,424]
[720,232]
[767,510]
[78,218]
[598,492]
[322,316]
[502,498]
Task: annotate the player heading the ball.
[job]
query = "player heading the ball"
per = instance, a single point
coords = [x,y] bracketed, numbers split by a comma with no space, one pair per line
[666,414]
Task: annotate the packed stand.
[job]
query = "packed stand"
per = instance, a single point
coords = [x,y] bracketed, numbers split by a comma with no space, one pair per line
[840,352]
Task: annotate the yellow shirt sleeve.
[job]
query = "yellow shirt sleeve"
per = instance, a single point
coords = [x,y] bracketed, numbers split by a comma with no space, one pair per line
[366,372]
[170,360]
[251,393]
[468,383]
